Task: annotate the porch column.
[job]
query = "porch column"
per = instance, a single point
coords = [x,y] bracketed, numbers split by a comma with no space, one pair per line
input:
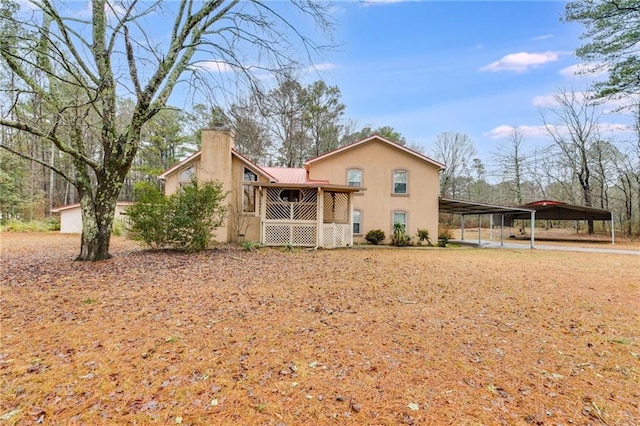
[262,192]
[319,218]
[351,219]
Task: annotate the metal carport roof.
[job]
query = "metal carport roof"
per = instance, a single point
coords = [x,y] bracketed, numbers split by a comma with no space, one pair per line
[542,210]
[464,208]
[449,205]
[557,210]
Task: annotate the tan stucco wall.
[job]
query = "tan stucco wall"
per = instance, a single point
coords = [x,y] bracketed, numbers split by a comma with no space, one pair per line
[216,162]
[242,226]
[378,160]
[171,182]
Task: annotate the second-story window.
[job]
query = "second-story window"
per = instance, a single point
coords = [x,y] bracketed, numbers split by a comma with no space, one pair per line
[400,182]
[354,177]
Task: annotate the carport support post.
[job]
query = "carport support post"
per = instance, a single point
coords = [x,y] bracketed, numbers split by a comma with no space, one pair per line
[491,227]
[462,226]
[613,232]
[533,227]
[479,229]
[502,229]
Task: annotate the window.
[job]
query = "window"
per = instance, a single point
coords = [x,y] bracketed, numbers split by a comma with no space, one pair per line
[400,182]
[357,218]
[249,176]
[291,195]
[249,192]
[187,174]
[354,177]
[401,218]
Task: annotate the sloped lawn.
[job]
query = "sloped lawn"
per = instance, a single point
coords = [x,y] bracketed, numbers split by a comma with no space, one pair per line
[343,337]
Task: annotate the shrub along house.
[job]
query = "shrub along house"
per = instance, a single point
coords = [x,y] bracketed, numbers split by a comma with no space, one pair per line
[331,202]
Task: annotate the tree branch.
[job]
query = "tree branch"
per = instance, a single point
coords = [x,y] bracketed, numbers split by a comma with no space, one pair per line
[41,162]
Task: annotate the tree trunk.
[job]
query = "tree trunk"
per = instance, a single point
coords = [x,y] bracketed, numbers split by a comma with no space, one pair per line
[97,221]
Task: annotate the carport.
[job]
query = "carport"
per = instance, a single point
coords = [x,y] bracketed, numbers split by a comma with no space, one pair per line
[466,208]
[557,210]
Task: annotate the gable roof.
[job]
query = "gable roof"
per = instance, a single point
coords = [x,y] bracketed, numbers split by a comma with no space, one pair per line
[379,138]
[175,167]
[260,170]
[196,155]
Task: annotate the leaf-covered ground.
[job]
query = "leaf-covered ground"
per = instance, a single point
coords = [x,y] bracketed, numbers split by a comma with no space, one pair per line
[348,337]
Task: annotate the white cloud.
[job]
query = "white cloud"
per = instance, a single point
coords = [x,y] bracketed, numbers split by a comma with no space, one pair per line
[543,37]
[610,105]
[326,66]
[587,70]
[521,61]
[374,2]
[539,131]
[216,66]
[504,131]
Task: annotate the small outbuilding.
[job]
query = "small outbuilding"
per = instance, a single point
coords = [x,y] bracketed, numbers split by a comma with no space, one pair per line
[71,216]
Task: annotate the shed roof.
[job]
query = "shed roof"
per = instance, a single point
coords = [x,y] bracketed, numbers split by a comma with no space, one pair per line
[77,206]
[557,210]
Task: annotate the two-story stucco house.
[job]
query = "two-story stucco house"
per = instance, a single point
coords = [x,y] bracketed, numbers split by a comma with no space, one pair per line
[402,185]
[332,202]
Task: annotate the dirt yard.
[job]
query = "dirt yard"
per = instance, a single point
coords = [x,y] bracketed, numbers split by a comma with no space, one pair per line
[342,337]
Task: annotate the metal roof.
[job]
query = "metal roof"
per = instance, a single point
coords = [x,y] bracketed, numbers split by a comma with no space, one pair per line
[287,174]
[309,184]
[449,205]
[557,210]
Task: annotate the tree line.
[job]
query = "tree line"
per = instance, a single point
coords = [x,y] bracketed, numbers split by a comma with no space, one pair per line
[84,108]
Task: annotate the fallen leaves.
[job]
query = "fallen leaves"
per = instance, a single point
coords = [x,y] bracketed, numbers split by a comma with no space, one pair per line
[319,337]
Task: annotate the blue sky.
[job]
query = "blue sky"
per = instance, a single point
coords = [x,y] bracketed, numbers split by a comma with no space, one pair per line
[471,66]
[422,67]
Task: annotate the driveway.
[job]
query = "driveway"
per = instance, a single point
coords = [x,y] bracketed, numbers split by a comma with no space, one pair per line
[507,245]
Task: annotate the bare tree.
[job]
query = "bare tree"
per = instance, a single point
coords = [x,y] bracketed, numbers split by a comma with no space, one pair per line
[456,151]
[511,158]
[111,52]
[572,124]
[252,133]
[284,110]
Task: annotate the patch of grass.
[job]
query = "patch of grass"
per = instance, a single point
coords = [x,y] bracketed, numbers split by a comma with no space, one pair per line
[289,247]
[119,228]
[48,225]
[250,246]
[621,341]
[89,301]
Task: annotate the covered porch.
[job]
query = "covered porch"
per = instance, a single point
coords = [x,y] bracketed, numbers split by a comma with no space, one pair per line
[306,215]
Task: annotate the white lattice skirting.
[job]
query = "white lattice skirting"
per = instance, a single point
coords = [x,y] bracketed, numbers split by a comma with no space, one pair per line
[286,233]
[336,235]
